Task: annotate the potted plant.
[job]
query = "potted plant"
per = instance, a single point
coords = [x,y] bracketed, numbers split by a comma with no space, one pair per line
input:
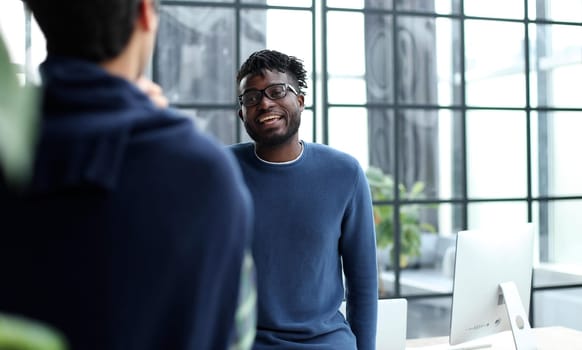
[411,227]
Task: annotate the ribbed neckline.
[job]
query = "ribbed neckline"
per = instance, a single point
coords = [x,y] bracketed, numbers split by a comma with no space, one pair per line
[282,163]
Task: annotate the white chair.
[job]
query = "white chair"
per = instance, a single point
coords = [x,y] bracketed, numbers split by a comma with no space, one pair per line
[391,325]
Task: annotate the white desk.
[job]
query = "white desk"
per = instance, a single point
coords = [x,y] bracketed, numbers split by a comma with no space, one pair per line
[547,338]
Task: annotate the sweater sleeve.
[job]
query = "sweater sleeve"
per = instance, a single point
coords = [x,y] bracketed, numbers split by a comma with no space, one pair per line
[358,249]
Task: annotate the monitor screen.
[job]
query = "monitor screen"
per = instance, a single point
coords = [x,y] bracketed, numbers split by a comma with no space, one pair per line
[485,260]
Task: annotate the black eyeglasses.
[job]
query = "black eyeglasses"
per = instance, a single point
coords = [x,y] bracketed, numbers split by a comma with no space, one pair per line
[274,92]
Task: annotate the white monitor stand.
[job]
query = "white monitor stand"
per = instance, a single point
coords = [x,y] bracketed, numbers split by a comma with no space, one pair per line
[517,317]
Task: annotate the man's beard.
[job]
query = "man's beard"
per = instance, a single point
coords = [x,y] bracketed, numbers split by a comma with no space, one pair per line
[276,139]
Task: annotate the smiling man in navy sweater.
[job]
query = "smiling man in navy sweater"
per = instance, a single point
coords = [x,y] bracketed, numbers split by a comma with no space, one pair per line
[313,219]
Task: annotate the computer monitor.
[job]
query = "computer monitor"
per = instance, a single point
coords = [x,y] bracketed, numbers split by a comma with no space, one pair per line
[492,283]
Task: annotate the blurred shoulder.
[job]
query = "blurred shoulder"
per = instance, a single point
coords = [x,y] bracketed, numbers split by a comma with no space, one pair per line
[174,140]
[240,149]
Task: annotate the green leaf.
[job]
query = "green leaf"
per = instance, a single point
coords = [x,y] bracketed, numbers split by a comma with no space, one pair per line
[417,190]
[384,235]
[18,333]
[18,123]
[426,227]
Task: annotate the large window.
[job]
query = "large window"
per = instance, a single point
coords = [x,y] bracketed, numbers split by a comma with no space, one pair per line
[470,107]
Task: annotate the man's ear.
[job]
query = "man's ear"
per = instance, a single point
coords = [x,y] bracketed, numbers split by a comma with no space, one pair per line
[147,15]
[301,100]
[240,115]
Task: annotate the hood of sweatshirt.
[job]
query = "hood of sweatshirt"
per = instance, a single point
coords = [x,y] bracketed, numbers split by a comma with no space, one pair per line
[88,117]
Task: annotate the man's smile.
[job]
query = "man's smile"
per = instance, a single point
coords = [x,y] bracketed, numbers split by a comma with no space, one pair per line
[268,119]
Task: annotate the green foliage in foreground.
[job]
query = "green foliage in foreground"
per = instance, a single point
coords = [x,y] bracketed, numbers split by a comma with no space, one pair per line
[19,111]
[18,333]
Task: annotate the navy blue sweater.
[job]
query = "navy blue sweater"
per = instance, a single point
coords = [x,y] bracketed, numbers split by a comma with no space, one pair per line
[132,233]
[312,216]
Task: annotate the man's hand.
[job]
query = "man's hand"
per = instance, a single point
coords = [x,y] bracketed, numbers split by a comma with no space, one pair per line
[153,90]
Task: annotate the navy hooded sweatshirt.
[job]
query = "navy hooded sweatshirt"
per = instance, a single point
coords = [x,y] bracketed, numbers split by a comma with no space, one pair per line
[132,232]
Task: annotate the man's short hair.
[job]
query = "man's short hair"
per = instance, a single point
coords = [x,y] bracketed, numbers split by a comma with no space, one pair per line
[275,61]
[95,30]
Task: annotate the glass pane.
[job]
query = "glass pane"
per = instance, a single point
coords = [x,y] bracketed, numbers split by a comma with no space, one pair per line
[253,32]
[427,53]
[306,127]
[379,58]
[426,251]
[294,3]
[448,159]
[563,10]
[262,29]
[428,317]
[348,132]
[428,142]
[556,56]
[418,281]
[418,140]
[494,64]
[556,139]
[482,215]
[416,53]
[191,40]
[494,8]
[383,216]
[381,144]
[220,123]
[496,154]
[353,4]
[560,239]
[557,243]
[346,90]
[447,59]
[446,7]
[418,5]
[558,308]
[379,4]
[346,61]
